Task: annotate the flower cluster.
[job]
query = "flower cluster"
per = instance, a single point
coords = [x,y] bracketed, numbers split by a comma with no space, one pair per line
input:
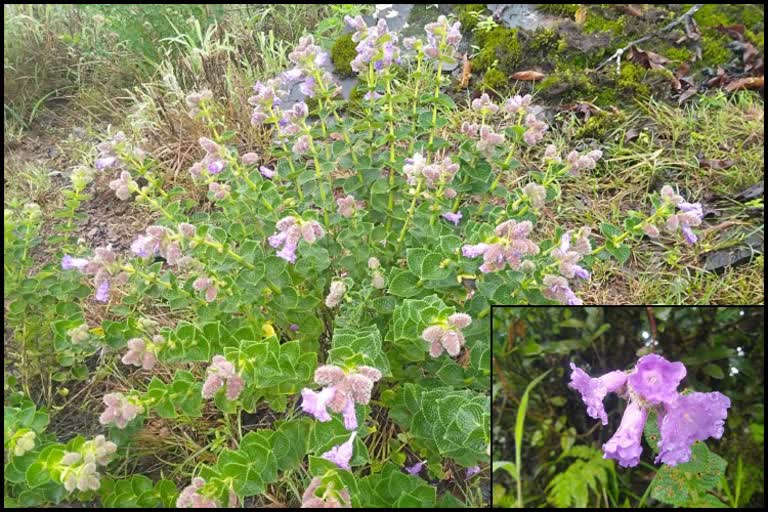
[536,194]
[378,280]
[266,98]
[207,286]
[341,454]
[509,246]
[652,384]
[221,373]
[79,334]
[484,105]
[568,254]
[309,60]
[101,266]
[375,45]
[193,100]
[123,186]
[517,104]
[342,390]
[536,129]
[79,468]
[330,497]
[557,288]
[434,175]
[447,335]
[191,497]
[113,152]
[442,38]
[119,411]
[578,162]
[335,294]
[348,205]
[214,160]
[689,215]
[25,443]
[158,241]
[143,353]
[291,229]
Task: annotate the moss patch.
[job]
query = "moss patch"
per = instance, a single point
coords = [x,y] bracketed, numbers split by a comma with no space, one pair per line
[468,13]
[500,48]
[342,53]
[494,80]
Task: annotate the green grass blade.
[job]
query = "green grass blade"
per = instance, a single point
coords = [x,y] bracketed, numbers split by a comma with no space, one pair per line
[519,433]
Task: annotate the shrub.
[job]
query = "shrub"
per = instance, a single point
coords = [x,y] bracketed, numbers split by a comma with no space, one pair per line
[341,279]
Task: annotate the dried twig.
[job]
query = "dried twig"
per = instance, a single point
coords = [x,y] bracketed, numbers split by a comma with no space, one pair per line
[685,18]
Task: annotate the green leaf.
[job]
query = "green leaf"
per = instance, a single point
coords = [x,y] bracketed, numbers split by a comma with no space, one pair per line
[509,467]
[680,484]
[519,426]
[571,488]
[713,371]
[36,474]
[610,231]
[652,431]
[403,283]
[620,252]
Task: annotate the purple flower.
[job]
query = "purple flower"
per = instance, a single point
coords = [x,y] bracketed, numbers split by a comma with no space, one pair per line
[453,217]
[341,454]
[350,419]
[473,251]
[472,471]
[690,418]
[655,379]
[102,291]
[68,263]
[294,327]
[415,469]
[216,166]
[316,403]
[625,445]
[105,163]
[557,288]
[267,172]
[593,390]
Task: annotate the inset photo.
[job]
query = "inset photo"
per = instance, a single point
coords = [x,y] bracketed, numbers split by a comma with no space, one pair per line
[641,407]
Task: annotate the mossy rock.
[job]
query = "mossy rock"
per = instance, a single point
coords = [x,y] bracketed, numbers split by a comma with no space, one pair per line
[562,10]
[342,54]
[500,48]
[568,84]
[599,125]
[467,14]
[631,79]
[494,80]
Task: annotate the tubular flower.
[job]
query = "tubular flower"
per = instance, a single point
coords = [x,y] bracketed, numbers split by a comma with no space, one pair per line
[101,266]
[568,255]
[291,229]
[652,384]
[625,445]
[508,247]
[119,410]
[222,373]
[593,390]
[341,392]
[341,454]
[655,379]
[447,335]
[690,418]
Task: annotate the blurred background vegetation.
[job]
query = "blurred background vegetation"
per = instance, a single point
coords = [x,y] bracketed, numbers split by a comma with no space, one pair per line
[561,455]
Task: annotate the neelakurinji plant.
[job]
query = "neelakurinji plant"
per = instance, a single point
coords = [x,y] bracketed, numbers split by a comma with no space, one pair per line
[682,420]
[351,255]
